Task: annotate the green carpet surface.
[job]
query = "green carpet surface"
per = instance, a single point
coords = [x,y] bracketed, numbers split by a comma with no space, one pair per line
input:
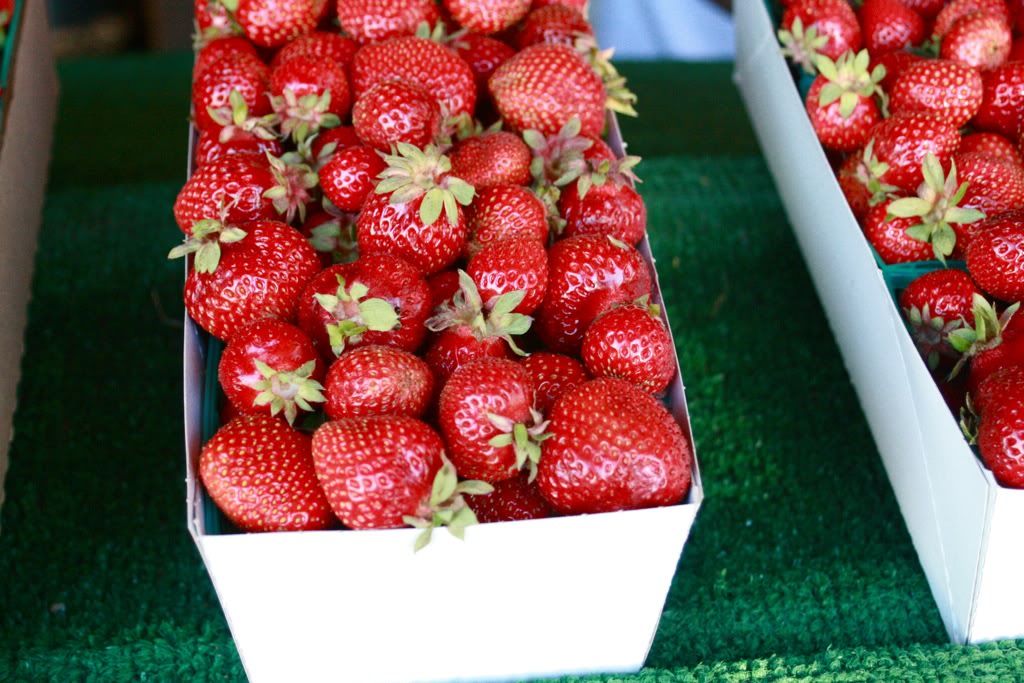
[799,566]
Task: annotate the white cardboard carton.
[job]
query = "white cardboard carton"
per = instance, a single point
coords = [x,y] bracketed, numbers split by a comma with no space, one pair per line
[514,600]
[29,112]
[966,528]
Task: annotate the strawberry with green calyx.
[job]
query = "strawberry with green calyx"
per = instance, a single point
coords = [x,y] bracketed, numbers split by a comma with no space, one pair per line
[802,46]
[235,121]
[558,159]
[205,242]
[812,27]
[978,342]
[859,179]
[631,342]
[212,21]
[619,98]
[309,94]
[210,148]
[328,142]
[374,315]
[605,202]
[935,305]
[234,71]
[295,184]
[936,207]
[841,101]
[904,140]
[447,506]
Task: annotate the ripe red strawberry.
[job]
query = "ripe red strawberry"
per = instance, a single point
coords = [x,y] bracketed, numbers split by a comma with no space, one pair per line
[333,237]
[926,8]
[978,40]
[555,24]
[587,275]
[1003,102]
[957,9]
[995,257]
[374,300]
[889,25]
[404,216]
[934,305]
[378,380]
[483,54]
[895,63]
[272,23]
[258,275]
[394,112]
[605,203]
[840,102]
[938,86]
[454,347]
[332,140]
[545,86]
[350,176]
[632,343]
[994,342]
[1016,50]
[487,16]
[217,49]
[563,157]
[613,447]
[902,142]
[259,472]
[506,212]
[233,72]
[318,45]
[443,287]
[813,27]
[376,20]
[511,500]
[552,375]
[1001,440]
[995,186]
[231,188]
[210,147]
[492,159]
[309,93]
[1005,384]
[213,21]
[516,265]
[859,180]
[420,62]
[486,416]
[271,367]
[992,145]
[888,235]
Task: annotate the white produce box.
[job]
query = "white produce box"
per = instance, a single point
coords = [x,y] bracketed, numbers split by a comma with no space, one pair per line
[514,600]
[966,528]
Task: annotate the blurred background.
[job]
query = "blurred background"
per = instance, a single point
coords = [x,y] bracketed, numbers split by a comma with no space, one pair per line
[639,29]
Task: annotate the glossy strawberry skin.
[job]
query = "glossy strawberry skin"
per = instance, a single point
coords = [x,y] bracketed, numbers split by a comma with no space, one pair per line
[340,137]
[378,380]
[350,176]
[1005,384]
[835,132]
[948,294]
[890,238]
[1001,441]
[938,86]
[511,500]
[587,275]
[831,18]
[385,228]
[511,266]
[308,75]
[485,386]
[613,209]
[555,24]
[856,193]
[895,64]
[982,41]
[222,47]
[552,375]
[889,25]
[386,277]
[630,343]
[992,145]
[613,447]
[995,186]
[958,9]
[904,140]
[487,16]
[443,287]
[544,86]
[483,54]
[260,276]
[457,346]
[259,472]
[210,148]
[492,159]
[394,112]
[280,345]
[236,71]
[995,258]
[419,62]
[506,212]
[1003,101]
[235,183]
[272,23]
[376,470]
[1008,353]
[319,45]
[376,20]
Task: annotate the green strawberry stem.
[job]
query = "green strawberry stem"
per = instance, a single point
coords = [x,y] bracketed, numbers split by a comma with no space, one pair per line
[304,116]
[355,315]
[930,332]
[446,506]
[236,121]
[205,240]
[287,391]
[413,173]
[801,46]
[870,171]
[468,308]
[848,80]
[296,182]
[525,440]
[986,334]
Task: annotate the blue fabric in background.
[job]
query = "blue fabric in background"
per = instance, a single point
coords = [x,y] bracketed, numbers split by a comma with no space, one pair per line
[694,30]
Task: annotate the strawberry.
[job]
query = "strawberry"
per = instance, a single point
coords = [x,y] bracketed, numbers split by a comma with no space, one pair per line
[333,237]
[813,27]
[272,23]
[515,265]
[404,218]
[552,375]
[487,16]
[632,343]
[232,188]
[587,275]
[259,472]
[506,212]
[840,102]
[393,112]
[318,45]
[978,40]
[219,48]
[894,63]
[994,185]
[329,141]
[308,94]
[455,346]
[563,157]
[995,341]
[958,9]
[935,304]
[483,54]
[420,62]
[926,8]
[492,159]
[613,447]
[859,180]
[443,287]
[271,367]
[995,257]
[213,21]
[1001,439]
[991,145]
[511,500]
[889,25]
[375,20]
[1003,102]
[234,72]
[1016,50]
[888,235]
[486,416]
[210,147]
[545,86]
[256,272]
[1007,383]
[350,176]
[555,24]
[373,300]
[902,142]
[938,86]
[605,203]
[378,380]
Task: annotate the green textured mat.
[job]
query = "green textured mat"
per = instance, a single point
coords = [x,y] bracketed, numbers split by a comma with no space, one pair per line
[799,564]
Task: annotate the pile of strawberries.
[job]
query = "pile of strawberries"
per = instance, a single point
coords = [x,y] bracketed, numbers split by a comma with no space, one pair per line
[920,105]
[406,228]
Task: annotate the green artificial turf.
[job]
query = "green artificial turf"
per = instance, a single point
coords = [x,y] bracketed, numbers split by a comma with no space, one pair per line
[799,565]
